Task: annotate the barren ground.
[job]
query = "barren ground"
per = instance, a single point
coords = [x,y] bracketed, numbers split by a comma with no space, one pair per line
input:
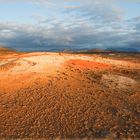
[58,95]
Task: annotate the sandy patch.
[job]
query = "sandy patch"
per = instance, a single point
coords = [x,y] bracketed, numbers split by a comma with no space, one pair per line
[117,81]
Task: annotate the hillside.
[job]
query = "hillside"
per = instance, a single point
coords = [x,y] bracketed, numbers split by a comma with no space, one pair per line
[5,50]
[59,95]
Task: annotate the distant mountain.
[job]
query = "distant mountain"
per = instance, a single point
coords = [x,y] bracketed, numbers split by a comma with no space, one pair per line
[109,50]
[71,49]
[6,49]
[121,49]
[95,50]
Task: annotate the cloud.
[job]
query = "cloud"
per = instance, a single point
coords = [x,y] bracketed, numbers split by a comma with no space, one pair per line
[74,24]
[104,10]
[58,37]
[101,9]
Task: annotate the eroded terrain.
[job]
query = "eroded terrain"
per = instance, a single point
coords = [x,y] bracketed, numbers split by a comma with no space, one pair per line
[58,95]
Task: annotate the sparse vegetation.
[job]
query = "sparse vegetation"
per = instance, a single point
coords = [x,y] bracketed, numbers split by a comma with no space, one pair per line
[69,96]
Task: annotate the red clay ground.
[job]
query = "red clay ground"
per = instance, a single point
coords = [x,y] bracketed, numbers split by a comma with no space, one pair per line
[50,95]
[82,64]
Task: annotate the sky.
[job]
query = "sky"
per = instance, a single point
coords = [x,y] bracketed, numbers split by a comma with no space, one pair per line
[38,25]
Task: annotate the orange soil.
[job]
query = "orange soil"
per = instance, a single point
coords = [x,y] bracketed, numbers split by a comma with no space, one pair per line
[10,83]
[83,64]
[69,100]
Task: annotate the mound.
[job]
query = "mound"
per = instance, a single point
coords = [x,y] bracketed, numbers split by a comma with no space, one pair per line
[6,50]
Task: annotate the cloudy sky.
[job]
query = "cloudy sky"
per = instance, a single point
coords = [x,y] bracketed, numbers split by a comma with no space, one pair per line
[69,24]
